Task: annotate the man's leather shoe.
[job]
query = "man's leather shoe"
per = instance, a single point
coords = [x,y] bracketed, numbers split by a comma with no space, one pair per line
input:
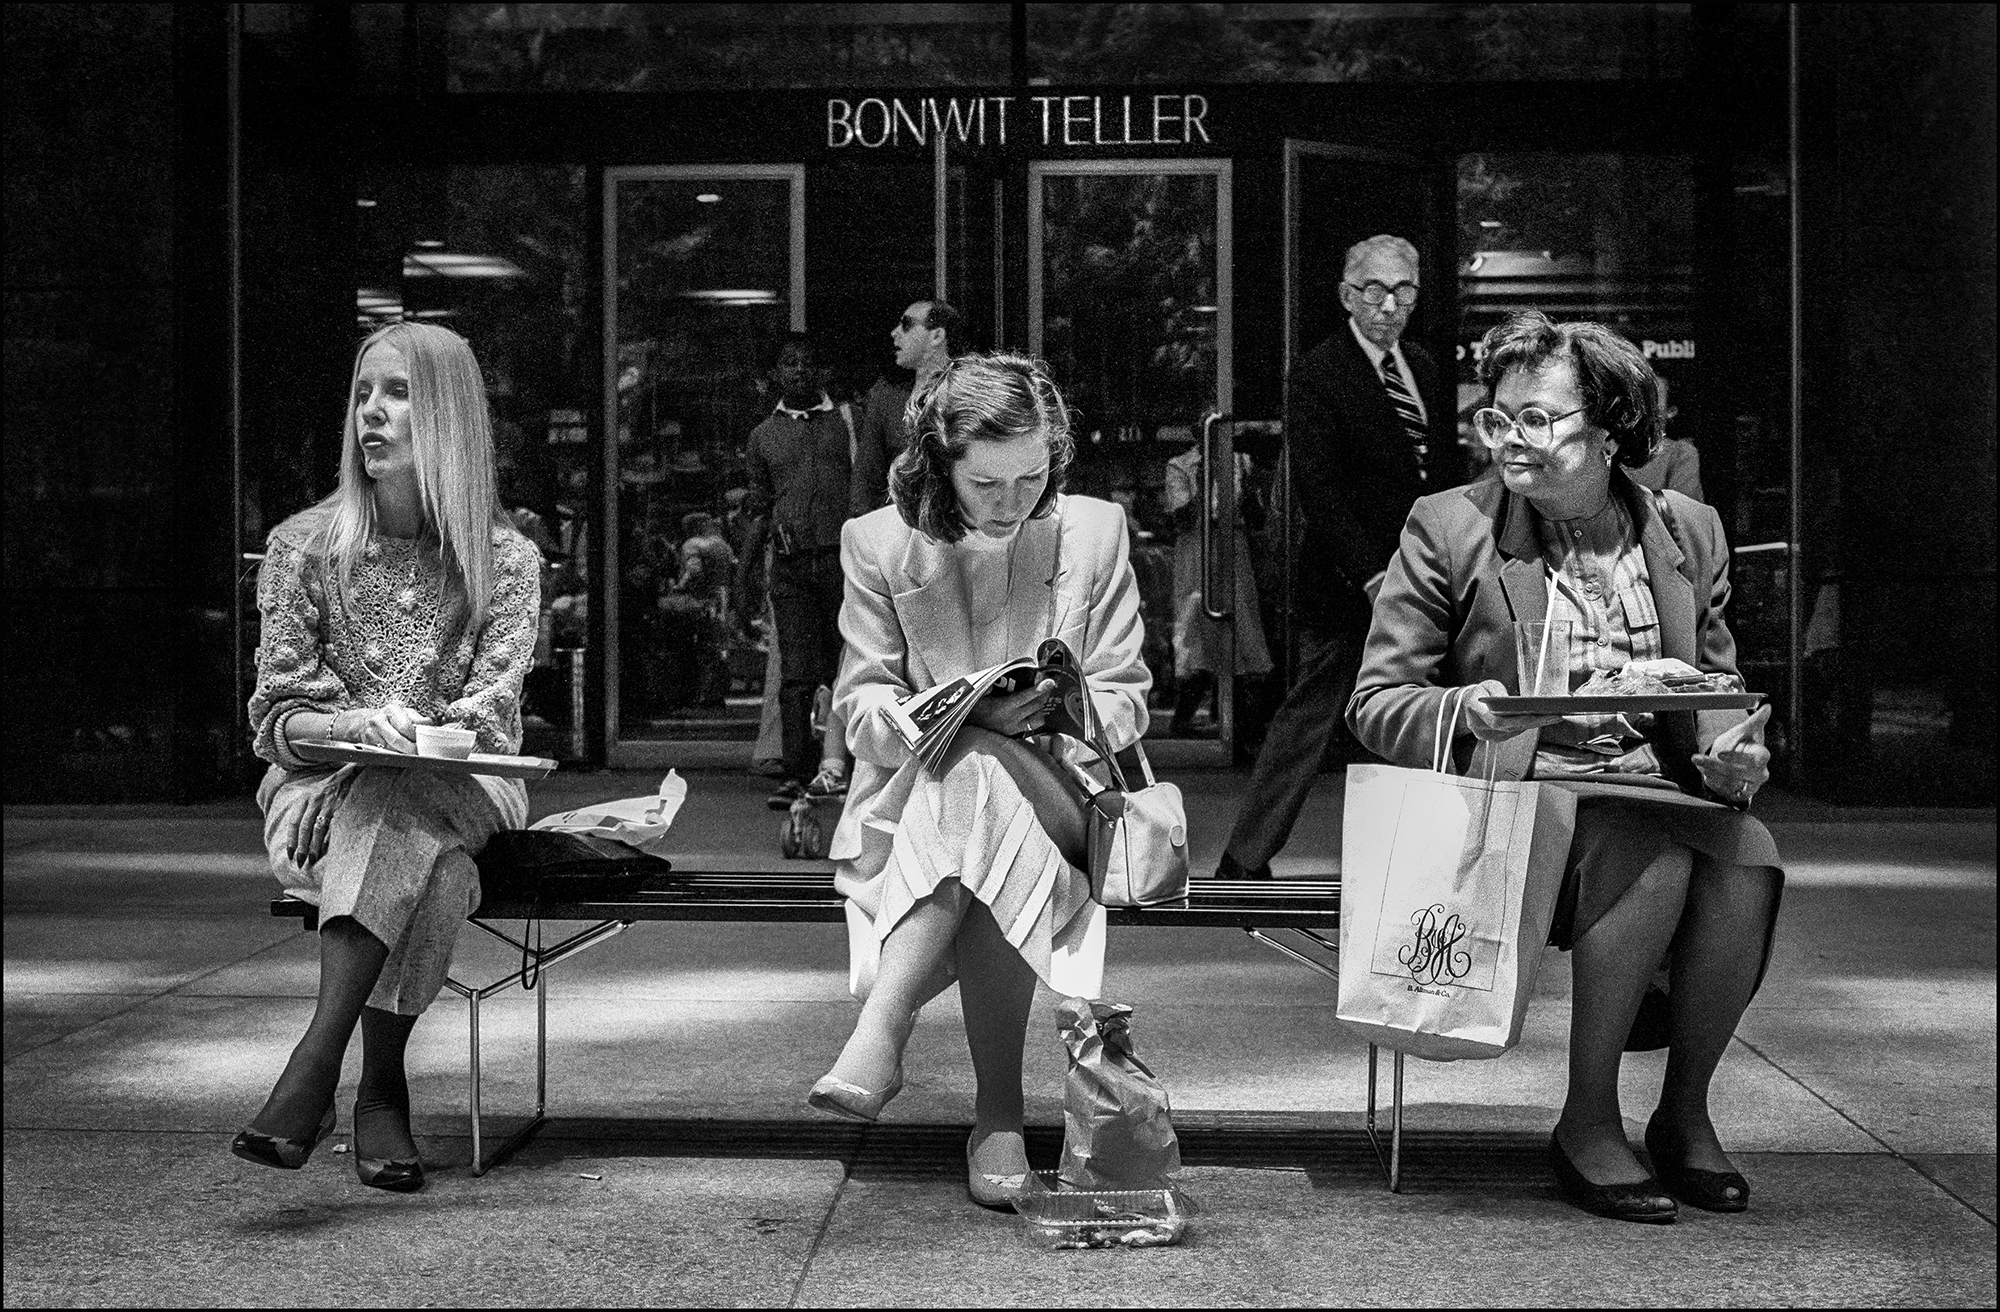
[1229,868]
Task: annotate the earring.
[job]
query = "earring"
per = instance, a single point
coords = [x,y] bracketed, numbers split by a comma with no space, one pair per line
[1609,452]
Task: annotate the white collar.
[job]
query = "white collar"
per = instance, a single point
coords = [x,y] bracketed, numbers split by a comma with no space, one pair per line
[1375,353]
[825,404]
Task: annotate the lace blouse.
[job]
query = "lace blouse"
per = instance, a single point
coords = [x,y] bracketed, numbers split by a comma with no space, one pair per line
[386,645]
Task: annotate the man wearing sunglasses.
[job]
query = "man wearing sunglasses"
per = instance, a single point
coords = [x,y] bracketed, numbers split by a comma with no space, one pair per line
[1368,428]
[928,335]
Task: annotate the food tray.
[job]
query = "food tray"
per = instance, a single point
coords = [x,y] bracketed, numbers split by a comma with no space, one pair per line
[1615,705]
[486,763]
[1131,1218]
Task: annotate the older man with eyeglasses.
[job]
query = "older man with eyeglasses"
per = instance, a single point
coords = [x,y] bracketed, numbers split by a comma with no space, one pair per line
[1369,430]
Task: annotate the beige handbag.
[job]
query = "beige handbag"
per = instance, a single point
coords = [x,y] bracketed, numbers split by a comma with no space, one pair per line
[1136,837]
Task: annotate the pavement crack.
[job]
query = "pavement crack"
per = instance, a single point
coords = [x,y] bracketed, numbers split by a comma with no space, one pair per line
[825,1222]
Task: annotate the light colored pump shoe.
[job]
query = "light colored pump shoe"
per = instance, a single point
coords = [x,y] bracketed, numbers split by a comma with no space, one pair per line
[998,1190]
[851,1101]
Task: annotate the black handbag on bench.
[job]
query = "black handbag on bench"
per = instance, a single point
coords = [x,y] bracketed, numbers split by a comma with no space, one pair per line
[547,868]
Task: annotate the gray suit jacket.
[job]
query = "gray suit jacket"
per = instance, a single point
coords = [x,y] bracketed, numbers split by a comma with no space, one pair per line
[905,631]
[1470,565]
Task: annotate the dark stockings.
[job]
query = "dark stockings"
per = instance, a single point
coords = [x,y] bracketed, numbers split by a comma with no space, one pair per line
[350,960]
[382,1102]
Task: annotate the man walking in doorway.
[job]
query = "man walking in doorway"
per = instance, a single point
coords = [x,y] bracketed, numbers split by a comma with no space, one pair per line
[799,465]
[1369,428]
[929,334]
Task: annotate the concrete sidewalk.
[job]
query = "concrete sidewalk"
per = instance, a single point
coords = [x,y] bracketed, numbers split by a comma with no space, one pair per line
[150,1001]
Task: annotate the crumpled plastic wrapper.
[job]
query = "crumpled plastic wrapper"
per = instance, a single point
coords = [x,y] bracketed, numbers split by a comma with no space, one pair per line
[637,822]
[1118,1130]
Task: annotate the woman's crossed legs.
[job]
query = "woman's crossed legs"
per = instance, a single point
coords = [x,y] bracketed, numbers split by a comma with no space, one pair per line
[996,984]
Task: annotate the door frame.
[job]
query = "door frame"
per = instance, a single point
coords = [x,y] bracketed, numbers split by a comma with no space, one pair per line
[691,752]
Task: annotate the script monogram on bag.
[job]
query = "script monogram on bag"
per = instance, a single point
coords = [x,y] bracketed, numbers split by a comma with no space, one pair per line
[1444,903]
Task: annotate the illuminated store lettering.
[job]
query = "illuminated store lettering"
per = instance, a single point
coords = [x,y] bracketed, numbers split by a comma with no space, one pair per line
[876,121]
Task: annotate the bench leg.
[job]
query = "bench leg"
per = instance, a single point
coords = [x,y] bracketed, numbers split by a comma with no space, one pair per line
[1392,1163]
[537,962]
[1392,1166]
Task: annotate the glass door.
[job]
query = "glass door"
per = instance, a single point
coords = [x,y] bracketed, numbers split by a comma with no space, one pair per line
[1129,302]
[704,274]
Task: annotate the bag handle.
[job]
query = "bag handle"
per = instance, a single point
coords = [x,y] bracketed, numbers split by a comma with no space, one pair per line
[1442,735]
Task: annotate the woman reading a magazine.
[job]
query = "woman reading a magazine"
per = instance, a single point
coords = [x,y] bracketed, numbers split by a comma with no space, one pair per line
[1665,869]
[406,598]
[968,867]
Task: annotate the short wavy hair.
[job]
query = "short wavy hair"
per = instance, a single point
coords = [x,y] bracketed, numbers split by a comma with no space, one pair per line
[1621,393]
[994,397]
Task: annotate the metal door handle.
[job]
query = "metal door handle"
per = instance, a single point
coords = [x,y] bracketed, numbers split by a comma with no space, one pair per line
[1208,426]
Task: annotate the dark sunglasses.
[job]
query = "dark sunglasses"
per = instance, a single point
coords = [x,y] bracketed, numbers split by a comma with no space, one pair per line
[909,325]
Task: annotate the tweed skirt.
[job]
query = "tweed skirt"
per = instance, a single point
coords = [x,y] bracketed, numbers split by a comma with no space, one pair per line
[399,860]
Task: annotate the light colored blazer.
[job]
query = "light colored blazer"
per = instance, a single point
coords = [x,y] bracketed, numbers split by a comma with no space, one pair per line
[906,631]
[1470,565]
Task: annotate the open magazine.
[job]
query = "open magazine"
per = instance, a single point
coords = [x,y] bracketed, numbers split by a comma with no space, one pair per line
[930,719]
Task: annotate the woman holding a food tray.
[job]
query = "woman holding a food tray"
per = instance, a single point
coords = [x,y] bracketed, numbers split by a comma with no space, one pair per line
[971,870]
[405,598]
[1668,878]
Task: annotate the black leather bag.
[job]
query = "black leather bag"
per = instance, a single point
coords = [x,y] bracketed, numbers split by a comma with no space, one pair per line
[545,868]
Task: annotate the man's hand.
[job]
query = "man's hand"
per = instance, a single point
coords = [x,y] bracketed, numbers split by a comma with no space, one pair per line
[315,822]
[1014,714]
[1738,763]
[1489,726]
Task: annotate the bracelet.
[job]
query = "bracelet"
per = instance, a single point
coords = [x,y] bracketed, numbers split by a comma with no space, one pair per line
[346,725]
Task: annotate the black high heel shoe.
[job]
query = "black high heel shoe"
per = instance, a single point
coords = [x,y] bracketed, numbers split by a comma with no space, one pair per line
[1644,1202]
[399,1175]
[280,1154]
[1711,1191]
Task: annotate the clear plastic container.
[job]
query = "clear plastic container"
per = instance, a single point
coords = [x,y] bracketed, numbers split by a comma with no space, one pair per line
[1132,1218]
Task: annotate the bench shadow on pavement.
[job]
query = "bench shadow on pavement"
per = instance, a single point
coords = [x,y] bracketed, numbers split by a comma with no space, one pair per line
[1331,1154]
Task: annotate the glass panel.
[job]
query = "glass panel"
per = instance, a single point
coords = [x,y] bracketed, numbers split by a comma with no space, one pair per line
[689,47]
[703,299]
[1188,44]
[497,254]
[1130,328]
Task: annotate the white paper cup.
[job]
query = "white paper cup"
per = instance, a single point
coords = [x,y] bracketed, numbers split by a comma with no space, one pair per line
[446,741]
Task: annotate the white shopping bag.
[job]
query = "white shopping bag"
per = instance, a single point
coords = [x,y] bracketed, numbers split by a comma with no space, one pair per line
[637,822]
[1448,887]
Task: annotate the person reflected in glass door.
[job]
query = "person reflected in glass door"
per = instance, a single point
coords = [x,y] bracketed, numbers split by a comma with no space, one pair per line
[1369,431]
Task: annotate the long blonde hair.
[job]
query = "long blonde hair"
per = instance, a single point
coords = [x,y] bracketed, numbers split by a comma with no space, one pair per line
[451,439]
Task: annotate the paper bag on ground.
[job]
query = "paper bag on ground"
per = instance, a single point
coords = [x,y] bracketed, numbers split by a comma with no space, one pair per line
[1118,1132]
[637,822]
[1448,887]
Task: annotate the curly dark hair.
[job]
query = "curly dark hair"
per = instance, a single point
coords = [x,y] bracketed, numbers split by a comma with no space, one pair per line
[976,398]
[1621,393]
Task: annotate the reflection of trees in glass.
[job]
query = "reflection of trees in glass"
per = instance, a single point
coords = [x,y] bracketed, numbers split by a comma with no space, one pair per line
[1129,296]
[1616,211]
[1353,43]
[668,47]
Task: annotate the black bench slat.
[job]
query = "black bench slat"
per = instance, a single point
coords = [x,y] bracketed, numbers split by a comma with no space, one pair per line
[809,897]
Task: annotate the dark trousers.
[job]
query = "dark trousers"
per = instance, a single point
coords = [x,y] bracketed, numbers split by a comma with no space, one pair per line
[805,600]
[1311,719]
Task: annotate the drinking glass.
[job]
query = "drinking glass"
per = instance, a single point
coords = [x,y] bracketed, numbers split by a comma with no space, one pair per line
[1541,655]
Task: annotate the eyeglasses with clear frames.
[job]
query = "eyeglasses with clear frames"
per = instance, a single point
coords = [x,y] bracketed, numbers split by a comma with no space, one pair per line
[1375,293]
[1537,425]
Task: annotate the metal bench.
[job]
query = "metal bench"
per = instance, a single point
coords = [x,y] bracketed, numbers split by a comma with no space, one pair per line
[1300,918]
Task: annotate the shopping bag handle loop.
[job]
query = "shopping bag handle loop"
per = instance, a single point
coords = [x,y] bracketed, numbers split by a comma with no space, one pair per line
[1454,699]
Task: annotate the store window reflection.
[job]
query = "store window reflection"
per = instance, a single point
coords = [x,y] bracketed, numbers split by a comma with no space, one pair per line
[497,255]
[1125,43]
[688,47]
[1129,305]
[705,285]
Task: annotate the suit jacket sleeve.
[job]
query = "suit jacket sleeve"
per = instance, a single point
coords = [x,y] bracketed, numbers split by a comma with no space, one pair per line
[874,663]
[1111,659]
[1715,645]
[1407,666]
[878,444]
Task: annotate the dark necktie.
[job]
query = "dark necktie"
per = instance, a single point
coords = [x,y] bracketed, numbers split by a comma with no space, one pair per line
[1407,410]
